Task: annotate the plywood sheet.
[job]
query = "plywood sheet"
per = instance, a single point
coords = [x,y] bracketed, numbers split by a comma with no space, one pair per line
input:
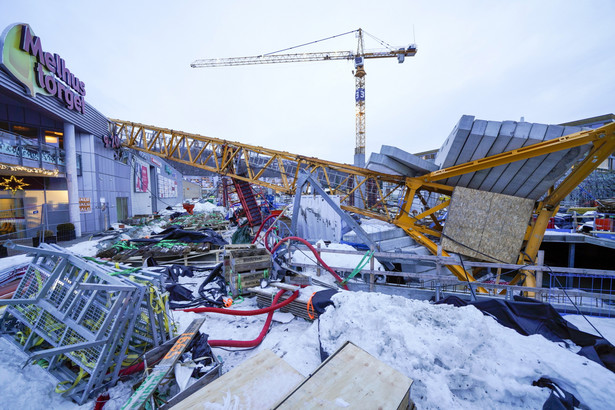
[351,378]
[257,383]
[486,225]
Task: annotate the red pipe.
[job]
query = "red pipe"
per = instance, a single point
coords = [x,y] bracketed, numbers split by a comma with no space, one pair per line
[261,336]
[103,398]
[260,228]
[314,251]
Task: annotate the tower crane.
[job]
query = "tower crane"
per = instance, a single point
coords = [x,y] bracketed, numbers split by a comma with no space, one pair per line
[359,73]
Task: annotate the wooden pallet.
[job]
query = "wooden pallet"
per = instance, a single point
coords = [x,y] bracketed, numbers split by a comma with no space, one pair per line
[244,267]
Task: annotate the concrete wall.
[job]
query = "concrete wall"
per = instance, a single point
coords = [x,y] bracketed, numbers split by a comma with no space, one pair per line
[317,220]
[191,190]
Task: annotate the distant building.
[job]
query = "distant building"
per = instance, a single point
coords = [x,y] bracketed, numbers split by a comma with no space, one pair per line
[595,122]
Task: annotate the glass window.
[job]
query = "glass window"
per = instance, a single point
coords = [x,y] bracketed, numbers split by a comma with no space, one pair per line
[29,133]
[53,137]
[79,171]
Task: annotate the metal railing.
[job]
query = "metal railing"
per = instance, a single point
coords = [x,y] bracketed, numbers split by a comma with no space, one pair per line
[30,150]
[590,291]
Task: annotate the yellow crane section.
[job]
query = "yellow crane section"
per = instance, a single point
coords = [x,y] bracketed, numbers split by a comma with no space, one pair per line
[381,196]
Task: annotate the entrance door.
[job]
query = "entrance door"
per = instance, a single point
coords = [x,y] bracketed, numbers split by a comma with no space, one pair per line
[122,208]
[154,188]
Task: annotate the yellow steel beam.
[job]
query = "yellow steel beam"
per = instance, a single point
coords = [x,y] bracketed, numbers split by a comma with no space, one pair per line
[221,156]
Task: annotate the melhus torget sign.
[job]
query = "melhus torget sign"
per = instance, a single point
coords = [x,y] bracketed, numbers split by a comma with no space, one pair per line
[39,71]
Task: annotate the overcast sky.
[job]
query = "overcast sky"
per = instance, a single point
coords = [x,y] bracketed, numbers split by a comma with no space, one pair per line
[547,61]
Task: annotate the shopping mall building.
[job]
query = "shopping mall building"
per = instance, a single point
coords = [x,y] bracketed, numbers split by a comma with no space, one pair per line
[58,160]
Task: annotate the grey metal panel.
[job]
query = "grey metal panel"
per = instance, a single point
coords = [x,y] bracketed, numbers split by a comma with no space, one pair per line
[448,153]
[505,135]
[411,161]
[489,136]
[469,147]
[516,168]
[546,164]
[498,176]
[92,121]
[384,164]
[564,164]
[529,166]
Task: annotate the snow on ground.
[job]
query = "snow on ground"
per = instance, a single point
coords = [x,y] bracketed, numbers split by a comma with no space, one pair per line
[606,326]
[457,357]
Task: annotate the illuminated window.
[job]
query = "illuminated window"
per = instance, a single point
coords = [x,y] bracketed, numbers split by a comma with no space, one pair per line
[52,137]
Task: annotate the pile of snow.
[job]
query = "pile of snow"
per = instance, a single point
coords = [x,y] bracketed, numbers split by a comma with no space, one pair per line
[458,357]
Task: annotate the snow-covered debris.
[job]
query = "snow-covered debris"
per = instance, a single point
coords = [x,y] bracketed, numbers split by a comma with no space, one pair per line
[458,357]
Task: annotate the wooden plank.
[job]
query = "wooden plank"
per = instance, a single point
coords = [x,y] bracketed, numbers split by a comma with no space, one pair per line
[257,383]
[147,388]
[351,378]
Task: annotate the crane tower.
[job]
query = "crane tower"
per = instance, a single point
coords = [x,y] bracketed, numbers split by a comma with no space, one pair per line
[359,73]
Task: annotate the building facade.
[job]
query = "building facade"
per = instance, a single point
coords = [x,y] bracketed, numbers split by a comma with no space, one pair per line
[59,162]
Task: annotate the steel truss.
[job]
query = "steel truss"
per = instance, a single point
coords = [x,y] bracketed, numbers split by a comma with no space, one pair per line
[373,194]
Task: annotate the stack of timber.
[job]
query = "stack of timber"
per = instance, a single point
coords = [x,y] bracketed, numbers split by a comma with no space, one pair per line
[165,252]
[244,267]
[298,307]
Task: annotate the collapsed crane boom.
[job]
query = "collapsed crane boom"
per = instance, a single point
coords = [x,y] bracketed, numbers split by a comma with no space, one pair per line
[381,196]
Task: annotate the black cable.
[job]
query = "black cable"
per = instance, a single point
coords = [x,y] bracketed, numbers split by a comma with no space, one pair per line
[234,350]
[467,279]
[533,263]
[571,301]
[311,42]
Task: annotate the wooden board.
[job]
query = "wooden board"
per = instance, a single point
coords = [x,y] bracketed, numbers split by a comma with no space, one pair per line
[151,382]
[257,383]
[351,378]
[485,223]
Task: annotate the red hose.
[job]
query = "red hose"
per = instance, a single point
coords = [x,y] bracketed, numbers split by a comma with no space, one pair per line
[314,251]
[103,398]
[261,336]
[260,228]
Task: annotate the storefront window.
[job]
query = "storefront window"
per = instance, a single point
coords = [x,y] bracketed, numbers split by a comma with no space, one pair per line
[12,220]
[53,137]
[30,133]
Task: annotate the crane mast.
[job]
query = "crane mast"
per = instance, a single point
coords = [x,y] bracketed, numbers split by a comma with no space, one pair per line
[359,96]
[359,73]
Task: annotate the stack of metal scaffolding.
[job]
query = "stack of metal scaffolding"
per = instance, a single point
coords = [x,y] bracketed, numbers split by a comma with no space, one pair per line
[82,320]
